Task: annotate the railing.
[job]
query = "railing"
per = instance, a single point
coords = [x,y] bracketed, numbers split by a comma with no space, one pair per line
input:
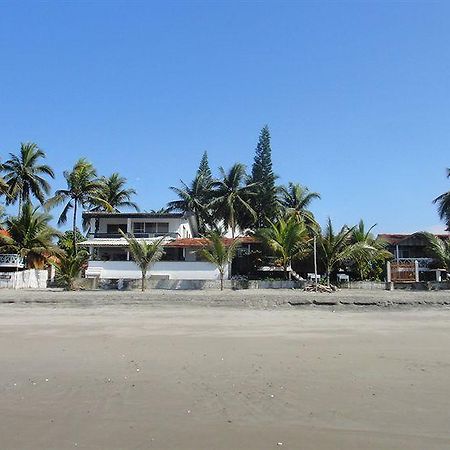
[423,262]
[137,235]
[11,260]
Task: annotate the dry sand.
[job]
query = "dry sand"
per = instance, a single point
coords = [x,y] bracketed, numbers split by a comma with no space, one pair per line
[123,373]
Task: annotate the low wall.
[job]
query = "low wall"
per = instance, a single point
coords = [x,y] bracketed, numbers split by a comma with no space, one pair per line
[424,286]
[26,279]
[365,285]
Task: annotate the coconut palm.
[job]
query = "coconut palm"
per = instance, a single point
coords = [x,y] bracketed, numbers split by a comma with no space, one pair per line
[25,175]
[30,236]
[145,254]
[82,190]
[114,195]
[438,248]
[231,196]
[219,253]
[443,202]
[68,267]
[194,199]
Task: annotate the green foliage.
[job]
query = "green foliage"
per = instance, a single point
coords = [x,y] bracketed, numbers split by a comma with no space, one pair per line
[145,254]
[264,203]
[25,176]
[112,195]
[443,202]
[231,198]
[219,254]
[204,170]
[438,248]
[30,236]
[287,238]
[66,241]
[68,267]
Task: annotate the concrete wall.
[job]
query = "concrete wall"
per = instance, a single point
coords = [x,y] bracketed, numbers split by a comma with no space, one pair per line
[365,285]
[173,270]
[26,279]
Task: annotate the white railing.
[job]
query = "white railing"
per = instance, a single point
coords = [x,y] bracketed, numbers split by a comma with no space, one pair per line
[11,260]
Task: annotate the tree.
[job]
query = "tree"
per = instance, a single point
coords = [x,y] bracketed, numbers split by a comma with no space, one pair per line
[287,238]
[191,199]
[334,249]
[231,198]
[204,169]
[438,248]
[296,199]
[443,202]
[145,254]
[219,254]
[25,176]
[82,190]
[30,236]
[113,195]
[264,203]
[369,253]
[68,267]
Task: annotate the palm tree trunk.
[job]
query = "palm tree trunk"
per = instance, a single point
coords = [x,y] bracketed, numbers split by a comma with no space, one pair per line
[221,281]
[74,227]
[20,205]
[143,281]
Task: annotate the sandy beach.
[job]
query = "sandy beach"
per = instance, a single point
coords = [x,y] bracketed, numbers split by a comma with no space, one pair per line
[114,371]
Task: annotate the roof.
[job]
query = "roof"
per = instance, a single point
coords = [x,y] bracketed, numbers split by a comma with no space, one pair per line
[201,242]
[396,238]
[132,215]
[111,242]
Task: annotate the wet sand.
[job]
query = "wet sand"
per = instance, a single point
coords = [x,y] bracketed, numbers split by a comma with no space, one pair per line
[175,375]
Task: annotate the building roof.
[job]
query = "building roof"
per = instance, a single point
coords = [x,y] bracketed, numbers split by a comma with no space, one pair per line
[397,238]
[132,215]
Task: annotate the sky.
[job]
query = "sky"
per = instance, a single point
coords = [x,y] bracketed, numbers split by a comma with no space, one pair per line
[356,95]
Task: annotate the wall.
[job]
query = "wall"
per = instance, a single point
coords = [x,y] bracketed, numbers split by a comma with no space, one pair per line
[26,279]
[178,270]
[364,285]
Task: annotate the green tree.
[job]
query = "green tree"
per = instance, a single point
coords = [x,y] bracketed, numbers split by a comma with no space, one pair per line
[231,198]
[113,195]
[438,248]
[145,254]
[25,175]
[264,203]
[69,266]
[30,236]
[288,239]
[204,170]
[219,254]
[82,191]
[443,202]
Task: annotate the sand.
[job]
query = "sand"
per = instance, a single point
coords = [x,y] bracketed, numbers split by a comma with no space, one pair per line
[125,373]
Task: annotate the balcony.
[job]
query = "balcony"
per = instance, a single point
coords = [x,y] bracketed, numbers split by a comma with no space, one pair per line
[11,261]
[137,235]
[424,263]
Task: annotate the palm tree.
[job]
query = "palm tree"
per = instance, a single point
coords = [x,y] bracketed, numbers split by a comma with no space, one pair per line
[443,202]
[438,248]
[333,248]
[219,254]
[288,239]
[193,198]
[82,190]
[69,266]
[114,195]
[145,254]
[25,175]
[30,236]
[368,250]
[231,197]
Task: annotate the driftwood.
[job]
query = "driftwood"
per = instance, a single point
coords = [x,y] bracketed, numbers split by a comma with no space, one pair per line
[320,288]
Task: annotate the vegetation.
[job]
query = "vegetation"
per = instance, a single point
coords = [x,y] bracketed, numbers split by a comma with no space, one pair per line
[145,254]
[30,236]
[219,253]
[443,202]
[68,268]
[438,248]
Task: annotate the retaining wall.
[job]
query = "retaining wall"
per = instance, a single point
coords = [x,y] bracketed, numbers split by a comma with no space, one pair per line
[26,279]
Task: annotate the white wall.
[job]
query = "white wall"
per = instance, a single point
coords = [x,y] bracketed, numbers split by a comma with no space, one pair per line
[26,279]
[175,270]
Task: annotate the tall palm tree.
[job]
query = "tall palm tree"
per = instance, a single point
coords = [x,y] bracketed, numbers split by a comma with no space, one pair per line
[438,248]
[288,238]
[114,194]
[145,254]
[443,202]
[25,175]
[194,199]
[30,235]
[231,197]
[335,248]
[82,190]
[219,254]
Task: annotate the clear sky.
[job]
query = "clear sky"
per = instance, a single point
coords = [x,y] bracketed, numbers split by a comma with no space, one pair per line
[356,95]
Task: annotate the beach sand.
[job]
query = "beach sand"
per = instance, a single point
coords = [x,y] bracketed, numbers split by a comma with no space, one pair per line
[175,375]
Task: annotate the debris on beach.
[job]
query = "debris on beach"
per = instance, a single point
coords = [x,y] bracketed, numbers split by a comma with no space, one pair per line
[320,288]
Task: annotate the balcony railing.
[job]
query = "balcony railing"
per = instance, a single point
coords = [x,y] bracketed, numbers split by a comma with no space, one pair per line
[423,262]
[11,260]
[137,235]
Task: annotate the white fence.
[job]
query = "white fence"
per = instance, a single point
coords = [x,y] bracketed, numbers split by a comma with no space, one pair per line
[27,279]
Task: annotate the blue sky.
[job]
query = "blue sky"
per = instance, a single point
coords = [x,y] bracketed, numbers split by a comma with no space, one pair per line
[356,94]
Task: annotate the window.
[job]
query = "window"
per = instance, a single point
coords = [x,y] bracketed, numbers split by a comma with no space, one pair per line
[150,227]
[138,227]
[163,227]
[113,228]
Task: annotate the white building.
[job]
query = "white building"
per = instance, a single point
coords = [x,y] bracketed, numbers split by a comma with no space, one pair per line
[109,253]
